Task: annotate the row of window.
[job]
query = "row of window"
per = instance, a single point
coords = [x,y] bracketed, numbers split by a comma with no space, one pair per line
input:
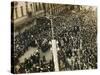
[34,7]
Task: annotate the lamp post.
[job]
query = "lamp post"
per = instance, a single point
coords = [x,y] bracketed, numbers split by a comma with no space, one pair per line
[54,43]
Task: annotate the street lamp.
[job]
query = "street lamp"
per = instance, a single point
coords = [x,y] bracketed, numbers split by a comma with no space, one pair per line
[54,43]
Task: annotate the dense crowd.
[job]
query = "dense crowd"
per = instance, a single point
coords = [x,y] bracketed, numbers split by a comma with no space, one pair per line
[81,51]
[29,38]
[76,36]
[34,64]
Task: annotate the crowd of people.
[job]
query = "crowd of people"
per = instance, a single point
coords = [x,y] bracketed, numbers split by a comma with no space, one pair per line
[29,38]
[34,64]
[76,35]
[81,51]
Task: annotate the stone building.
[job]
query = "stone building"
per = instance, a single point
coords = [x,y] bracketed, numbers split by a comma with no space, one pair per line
[24,12]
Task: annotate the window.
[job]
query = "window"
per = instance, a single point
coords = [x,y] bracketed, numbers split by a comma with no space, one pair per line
[22,11]
[36,7]
[26,7]
[31,6]
[16,12]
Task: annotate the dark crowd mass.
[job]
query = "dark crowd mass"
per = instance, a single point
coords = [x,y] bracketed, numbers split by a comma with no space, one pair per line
[76,33]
